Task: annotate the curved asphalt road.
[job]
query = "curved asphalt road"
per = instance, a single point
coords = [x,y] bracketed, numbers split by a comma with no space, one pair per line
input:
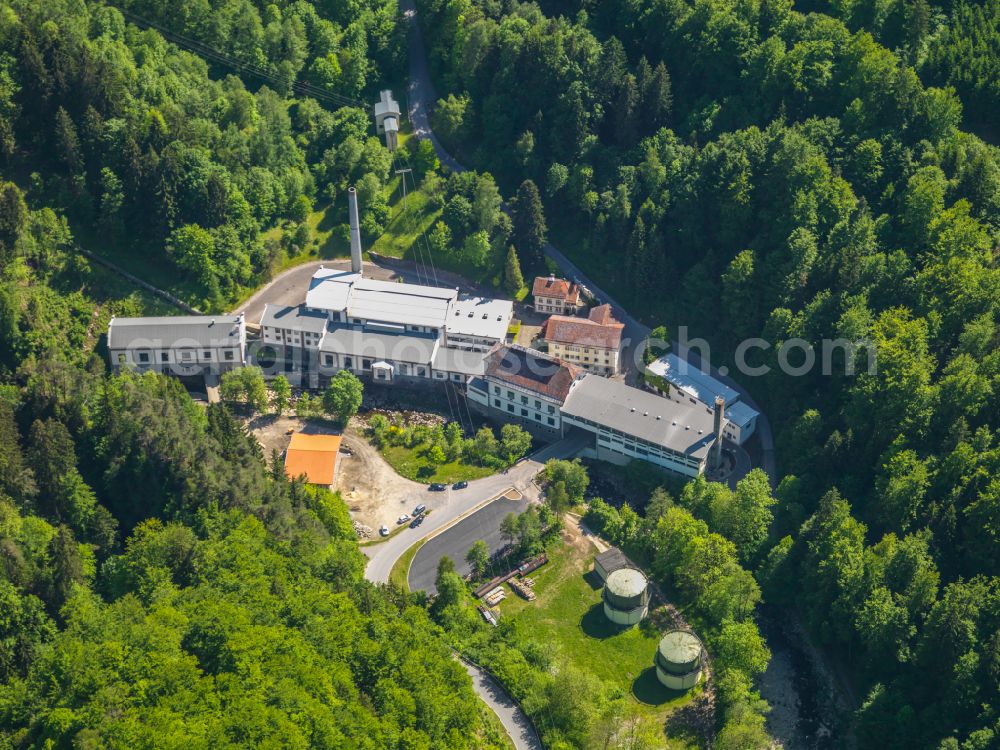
[455,542]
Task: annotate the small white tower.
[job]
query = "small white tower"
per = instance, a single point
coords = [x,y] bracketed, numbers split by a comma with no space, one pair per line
[387,119]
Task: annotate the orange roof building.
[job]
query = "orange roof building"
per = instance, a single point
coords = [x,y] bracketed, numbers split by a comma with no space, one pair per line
[593,343]
[312,456]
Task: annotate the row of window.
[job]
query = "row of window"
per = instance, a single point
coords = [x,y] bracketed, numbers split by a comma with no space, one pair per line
[551,421]
[524,399]
[185,355]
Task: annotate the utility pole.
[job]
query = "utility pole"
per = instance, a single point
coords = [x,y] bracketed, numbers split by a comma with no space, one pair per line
[404,172]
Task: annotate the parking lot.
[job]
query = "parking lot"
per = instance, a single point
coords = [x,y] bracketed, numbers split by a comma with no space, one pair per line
[455,542]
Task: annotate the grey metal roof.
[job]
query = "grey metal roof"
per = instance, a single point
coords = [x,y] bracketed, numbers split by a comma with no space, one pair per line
[410,304]
[296,318]
[330,288]
[612,559]
[461,361]
[480,316]
[740,414]
[626,582]
[176,331]
[692,380]
[683,428]
[385,346]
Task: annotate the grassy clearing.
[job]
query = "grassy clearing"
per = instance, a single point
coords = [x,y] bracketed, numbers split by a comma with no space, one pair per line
[401,568]
[412,464]
[568,612]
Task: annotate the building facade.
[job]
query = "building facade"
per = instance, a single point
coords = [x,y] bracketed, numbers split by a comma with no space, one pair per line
[554,296]
[523,385]
[185,346]
[593,343]
[384,330]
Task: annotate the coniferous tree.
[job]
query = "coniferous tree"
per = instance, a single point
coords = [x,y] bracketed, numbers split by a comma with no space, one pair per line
[529,225]
[513,279]
[67,142]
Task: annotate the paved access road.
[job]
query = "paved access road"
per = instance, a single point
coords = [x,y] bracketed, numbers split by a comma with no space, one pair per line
[505,707]
[460,503]
[455,542]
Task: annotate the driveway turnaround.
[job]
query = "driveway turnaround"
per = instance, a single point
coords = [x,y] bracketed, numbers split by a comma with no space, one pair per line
[455,541]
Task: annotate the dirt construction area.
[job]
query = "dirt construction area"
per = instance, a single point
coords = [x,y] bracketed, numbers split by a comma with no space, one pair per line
[374,493]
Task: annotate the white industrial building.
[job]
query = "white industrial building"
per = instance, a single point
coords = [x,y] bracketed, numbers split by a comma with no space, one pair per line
[682,382]
[185,346]
[626,423]
[383,329]
[391,332]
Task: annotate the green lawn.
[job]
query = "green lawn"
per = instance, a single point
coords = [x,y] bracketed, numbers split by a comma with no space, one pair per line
[568,611]
[401,568]
[410,463]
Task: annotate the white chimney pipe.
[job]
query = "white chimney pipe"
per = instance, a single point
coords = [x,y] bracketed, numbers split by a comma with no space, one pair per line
[720,423]
[352,201]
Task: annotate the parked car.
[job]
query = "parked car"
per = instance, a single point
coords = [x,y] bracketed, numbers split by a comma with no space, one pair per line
[384,531]
[419,509]
[416,522]
[460,485]
[438,487]
[403,518]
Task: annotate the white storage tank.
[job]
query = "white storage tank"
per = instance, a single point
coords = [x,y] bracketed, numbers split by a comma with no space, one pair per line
[626,596]
[678,660]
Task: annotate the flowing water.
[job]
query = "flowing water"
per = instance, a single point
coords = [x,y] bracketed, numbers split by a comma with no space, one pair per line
[807,712]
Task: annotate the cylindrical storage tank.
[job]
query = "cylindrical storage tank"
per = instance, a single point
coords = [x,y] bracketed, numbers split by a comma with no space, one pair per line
[626,596]
[678,660]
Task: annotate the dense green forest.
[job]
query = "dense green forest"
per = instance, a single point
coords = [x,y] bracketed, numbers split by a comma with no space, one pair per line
[159,586]
[747,169]
[154,154]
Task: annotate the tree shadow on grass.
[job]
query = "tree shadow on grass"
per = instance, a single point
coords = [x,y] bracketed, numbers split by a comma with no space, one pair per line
[646,688]
[595,624]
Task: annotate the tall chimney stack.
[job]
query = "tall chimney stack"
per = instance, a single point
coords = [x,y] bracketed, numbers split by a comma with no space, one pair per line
[720,423]
[352,201]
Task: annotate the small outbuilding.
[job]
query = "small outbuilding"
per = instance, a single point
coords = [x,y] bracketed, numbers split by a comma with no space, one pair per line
[609,561]
[626,596]
[312,456]
[679,659]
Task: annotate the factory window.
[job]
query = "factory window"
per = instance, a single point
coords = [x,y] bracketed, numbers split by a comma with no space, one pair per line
[524,412]
[496,403]
[604,438]
[348,362]
[164,357]
[510,395]
[510,408]
[143,356]
[186,356]
[229,356]
[496,390]
[206,354]
[538,417]
[552,421]
[524,399]
[328,360]
[366,364]
[552,409]
[538,404]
